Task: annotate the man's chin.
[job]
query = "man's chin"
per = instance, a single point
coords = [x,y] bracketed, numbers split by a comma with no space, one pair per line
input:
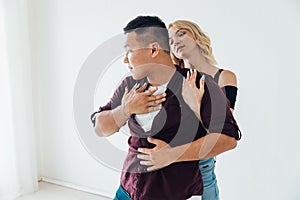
[137,77]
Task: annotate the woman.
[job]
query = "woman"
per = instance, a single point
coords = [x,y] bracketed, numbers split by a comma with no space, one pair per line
[191,47]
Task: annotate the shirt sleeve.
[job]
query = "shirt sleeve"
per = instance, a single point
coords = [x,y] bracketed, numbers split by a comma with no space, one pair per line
[215,111]
[116,99]
[231,93]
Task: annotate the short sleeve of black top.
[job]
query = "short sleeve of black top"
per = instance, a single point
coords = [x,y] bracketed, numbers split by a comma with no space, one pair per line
[229,90]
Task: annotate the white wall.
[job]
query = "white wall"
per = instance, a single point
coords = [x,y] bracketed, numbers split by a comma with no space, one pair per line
[258,40]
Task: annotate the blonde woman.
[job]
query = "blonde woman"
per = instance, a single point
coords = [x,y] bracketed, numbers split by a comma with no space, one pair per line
[191,48]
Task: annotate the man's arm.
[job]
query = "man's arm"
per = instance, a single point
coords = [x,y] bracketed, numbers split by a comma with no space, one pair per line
[136,101]
[111,117]
[109,122]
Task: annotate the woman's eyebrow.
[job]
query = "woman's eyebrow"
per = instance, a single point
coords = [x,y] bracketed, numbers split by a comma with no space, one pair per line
[176,32]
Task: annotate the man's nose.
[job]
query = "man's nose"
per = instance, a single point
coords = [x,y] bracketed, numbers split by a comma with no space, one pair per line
[125,59]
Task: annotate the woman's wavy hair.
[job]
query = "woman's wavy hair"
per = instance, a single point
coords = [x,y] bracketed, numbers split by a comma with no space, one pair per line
[199,36]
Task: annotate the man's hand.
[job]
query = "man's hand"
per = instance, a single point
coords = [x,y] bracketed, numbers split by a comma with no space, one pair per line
[136,101]
[158,157]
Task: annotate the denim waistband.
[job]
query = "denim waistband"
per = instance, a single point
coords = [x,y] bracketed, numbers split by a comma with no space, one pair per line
[207,161]
[121,194]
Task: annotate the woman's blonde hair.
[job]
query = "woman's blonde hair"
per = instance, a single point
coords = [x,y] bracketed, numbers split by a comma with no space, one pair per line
[199,36]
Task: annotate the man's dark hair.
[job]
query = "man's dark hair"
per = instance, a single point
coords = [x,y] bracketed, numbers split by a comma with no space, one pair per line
[149,29]
[144,21]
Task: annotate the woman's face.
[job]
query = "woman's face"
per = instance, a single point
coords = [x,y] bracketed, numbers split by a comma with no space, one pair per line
[181,42]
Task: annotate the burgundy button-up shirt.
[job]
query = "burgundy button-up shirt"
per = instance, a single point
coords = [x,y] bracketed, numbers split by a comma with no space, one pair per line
[176,124]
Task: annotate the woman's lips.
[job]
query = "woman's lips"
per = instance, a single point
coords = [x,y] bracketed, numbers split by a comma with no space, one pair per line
[179,48]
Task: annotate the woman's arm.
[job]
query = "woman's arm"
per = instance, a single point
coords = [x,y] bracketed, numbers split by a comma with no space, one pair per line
[228,82]
[163,155]
[216,142]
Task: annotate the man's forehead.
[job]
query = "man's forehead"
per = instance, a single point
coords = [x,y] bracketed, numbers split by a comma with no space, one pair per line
[130,39]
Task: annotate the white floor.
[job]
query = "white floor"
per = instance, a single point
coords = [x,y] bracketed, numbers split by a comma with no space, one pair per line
[48,191]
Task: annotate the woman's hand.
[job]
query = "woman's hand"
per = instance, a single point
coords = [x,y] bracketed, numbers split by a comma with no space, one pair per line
[158,157]
[191,94]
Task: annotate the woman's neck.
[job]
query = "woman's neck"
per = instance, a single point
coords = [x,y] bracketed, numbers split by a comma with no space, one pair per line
[199,62]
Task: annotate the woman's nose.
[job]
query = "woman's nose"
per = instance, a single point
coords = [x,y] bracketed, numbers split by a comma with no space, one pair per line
[177,42]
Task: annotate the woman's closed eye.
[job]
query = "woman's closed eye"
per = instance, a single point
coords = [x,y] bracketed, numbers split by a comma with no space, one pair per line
[181,33]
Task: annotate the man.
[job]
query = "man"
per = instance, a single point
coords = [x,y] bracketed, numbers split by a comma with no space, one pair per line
[156,112]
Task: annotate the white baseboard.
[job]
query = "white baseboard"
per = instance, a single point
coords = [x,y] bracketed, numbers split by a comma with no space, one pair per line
[75,186]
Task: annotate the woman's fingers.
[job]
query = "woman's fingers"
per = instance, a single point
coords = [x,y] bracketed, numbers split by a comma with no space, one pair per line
[193,78]
[188,74]
[201,82]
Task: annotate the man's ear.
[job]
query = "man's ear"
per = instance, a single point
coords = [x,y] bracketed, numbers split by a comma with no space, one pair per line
[155,49]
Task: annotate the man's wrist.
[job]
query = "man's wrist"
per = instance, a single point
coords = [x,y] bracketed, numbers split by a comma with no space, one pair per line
[126,110]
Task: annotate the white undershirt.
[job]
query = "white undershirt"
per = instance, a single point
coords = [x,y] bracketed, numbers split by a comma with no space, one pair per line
[146,120]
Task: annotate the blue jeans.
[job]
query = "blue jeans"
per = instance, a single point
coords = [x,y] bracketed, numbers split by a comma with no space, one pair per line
[210,190]
[121,194]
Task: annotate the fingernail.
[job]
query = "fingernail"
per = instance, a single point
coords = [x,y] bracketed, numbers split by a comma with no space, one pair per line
[137,86]
[195,70]
[152,89]
[191,71]
[183,78]
[203,77]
